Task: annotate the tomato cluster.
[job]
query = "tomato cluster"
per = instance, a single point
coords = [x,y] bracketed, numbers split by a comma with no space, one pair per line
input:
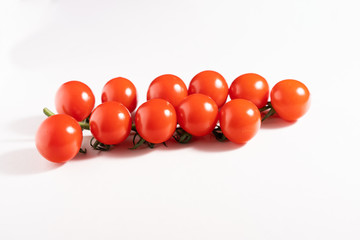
[171,110]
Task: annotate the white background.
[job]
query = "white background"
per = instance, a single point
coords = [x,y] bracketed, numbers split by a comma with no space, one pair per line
[292,181]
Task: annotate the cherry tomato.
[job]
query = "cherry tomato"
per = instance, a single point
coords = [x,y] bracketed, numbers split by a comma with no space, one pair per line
[120,90]
[197,114]
[252,87]
[290,99]
[155,120]
[168,87]
[212,84]
[76,99]
[239,120]
[110,123]
[59,137]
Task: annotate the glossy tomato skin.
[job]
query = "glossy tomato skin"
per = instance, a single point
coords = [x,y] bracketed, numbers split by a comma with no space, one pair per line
[110,123]
[120,90]
[58,138]
[76,99]
[168,87]
[252,87]
[155,120]
[239,120]
[197,114]
[290,99]
[212,84]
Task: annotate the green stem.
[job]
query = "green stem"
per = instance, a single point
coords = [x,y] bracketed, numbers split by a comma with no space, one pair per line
[138,144]
[48,112]
[96,144]
[181,136]
[269,114]
[266,107]
[84,125]
[133,127]
[82,150]
[99,145]
[141,141]
[219,135]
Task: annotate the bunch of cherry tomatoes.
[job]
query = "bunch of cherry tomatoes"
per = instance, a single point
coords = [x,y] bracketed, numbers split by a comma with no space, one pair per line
[172,111]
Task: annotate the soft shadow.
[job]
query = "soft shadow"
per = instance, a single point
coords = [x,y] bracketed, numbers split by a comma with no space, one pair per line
[209,143]
[275,122]
[90,152]
[27,126]
[171,145]
[25,162]
[122,151]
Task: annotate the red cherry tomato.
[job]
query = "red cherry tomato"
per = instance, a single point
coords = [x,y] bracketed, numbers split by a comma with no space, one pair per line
[290,99]
[252,87]
[59,137]
[168,87]
[212,84]
[155,120]
[110,123]
[76,99]
[197,114]
[120,90]
[240,120]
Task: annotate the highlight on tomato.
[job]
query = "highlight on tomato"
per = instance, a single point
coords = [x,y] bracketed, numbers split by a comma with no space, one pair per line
[120,90]
[155,120]
[110,123]
[76,99]
[212,84]
[252,87]
[290,99]
[197,114]
[168,87]
[58,138]
[240,120]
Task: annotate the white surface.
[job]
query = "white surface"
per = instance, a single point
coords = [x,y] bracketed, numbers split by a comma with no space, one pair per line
[297,181]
